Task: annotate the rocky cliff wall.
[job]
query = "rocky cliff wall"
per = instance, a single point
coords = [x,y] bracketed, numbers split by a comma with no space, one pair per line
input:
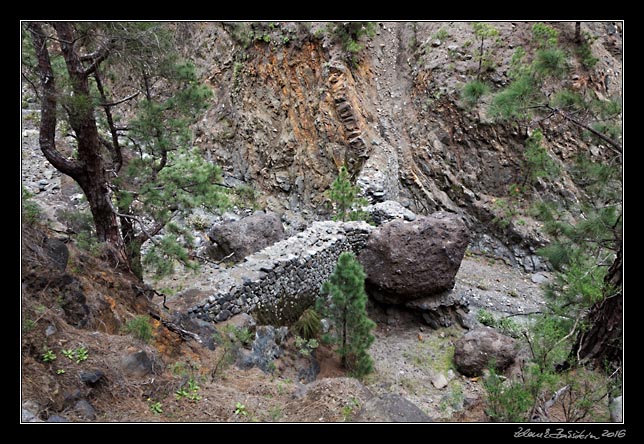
[289,109]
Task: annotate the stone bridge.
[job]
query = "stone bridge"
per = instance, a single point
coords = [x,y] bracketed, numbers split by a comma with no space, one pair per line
[280,275]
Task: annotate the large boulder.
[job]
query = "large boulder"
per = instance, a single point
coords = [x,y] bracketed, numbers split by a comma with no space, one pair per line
[405,261]
[235,240]
[479,347]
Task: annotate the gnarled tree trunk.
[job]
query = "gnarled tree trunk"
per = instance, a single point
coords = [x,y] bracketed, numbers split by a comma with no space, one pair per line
[88,170]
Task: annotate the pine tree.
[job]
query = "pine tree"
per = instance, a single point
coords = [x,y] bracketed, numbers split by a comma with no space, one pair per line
[344,197]
[345,305]
[134,156]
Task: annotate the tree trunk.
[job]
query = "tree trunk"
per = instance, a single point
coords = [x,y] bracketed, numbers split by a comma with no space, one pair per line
[132,246]
[602,343]
[89,169]
[578,32]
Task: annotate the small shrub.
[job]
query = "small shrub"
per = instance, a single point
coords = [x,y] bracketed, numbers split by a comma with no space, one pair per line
[515,100]
[275,413]
[243,335]
[539,162]
[568,100]
[229,346]
[484,32]
[140,327]
[348,410]
[551,62]
[198,222]
[308,325]
[442,34]
[246,196]
[506,325]
[31,211]
[544,36]
[473,91]
[585,52]
[507,401]
[486,318]
[28,325]
[344,197]
[305,347]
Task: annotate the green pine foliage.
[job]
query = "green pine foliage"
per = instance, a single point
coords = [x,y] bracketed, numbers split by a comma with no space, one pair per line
[484,32]
[569,101]
[581,250]
[544,36]
[516,100]
[344,302]
[539,163]
[169,177]
[550,62]
[473,91]
[585,52]
[344,198]
[350,34]
[140,327]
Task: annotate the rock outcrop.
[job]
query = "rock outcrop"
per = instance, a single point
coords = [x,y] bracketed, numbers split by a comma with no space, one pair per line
[391,408]
[476,349]
[238,239]
[405,261]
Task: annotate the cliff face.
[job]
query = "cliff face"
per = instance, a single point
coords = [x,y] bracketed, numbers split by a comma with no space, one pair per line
[289,110]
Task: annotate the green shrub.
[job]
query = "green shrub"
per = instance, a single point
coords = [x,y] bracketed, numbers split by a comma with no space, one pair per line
[308,325]
[551,62]
[442,34]
[507,401]
[486,318]
[585,52]
[515,100]
[505,325]
[140,327]
[473,91]
[242,334]
[544,36]
[568,100]
[539,162]
[305,347]
[31,211]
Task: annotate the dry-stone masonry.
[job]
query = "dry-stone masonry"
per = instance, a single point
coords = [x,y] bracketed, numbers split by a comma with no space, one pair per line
[281,273]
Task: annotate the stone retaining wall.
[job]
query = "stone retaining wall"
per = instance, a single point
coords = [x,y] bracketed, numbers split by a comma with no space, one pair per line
[281,273]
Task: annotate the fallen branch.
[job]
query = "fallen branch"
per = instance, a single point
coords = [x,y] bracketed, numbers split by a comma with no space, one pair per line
[175,328]
[541,413]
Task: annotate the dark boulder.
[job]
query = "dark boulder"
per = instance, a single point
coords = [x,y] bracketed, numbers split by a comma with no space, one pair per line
[85,410]
[405,261]
[58,252]
[137,364]
[391,408]
[91,377]
[479,347]
[245,236]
